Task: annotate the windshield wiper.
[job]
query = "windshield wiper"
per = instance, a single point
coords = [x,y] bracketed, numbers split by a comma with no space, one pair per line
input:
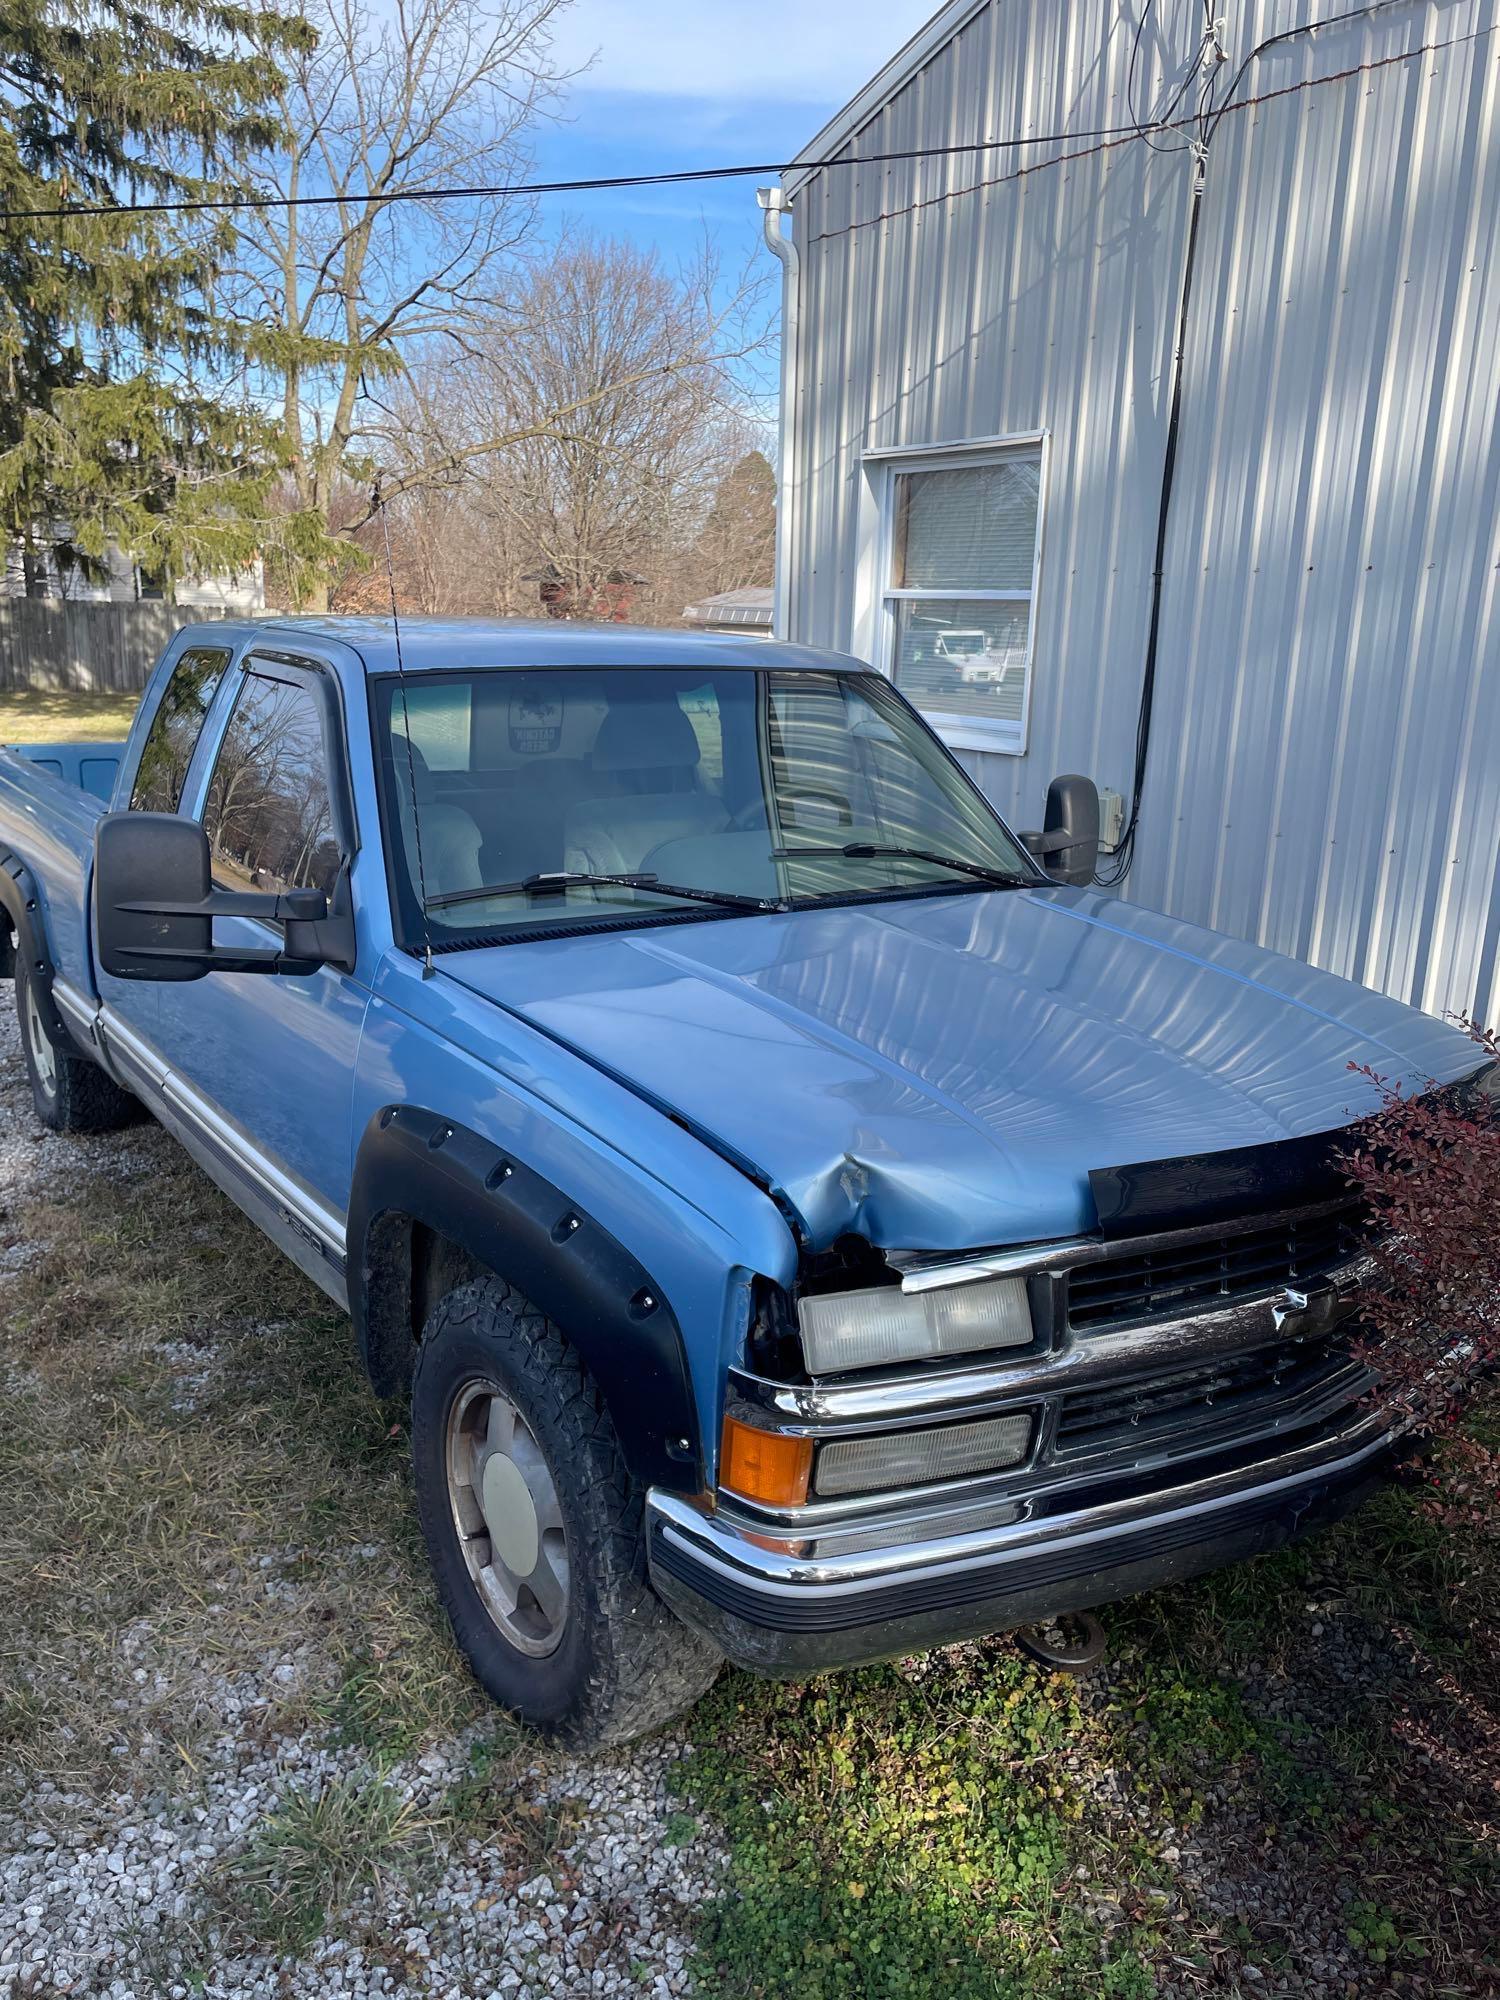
[565,878]
[863,850]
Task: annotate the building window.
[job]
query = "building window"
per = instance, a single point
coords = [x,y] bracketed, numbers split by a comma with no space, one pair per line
[961,535]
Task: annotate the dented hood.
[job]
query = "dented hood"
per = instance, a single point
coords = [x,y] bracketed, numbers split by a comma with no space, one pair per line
[942,1074]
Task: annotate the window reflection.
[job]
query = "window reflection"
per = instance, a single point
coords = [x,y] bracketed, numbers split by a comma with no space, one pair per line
[268,817]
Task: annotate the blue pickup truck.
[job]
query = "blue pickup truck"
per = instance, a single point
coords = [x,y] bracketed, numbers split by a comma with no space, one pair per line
[811,1222]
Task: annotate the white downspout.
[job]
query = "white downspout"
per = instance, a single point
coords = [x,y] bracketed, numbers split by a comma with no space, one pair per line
[782,245]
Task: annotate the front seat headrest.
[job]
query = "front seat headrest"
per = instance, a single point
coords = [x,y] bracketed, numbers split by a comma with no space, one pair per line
[651,735]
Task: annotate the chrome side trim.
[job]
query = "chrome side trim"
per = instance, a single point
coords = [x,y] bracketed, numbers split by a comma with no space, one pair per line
[119,1040]
[76,1008]
[1024,1259]
[299,1208]
[298,1204]
[717,1542]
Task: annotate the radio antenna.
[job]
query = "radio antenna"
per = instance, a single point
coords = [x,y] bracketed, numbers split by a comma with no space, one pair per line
[377,501]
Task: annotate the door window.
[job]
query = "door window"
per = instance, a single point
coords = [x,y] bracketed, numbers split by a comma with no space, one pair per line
[175,729]
[267,816]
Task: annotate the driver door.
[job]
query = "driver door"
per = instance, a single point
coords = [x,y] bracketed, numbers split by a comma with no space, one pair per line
[262,1067]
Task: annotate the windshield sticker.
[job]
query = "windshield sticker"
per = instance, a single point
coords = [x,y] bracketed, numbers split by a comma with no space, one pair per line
[535,724]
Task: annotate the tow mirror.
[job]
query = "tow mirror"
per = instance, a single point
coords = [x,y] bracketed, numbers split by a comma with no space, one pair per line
[1068,844]
[155,904]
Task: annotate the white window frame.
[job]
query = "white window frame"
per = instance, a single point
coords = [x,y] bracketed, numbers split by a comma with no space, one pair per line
[874,629]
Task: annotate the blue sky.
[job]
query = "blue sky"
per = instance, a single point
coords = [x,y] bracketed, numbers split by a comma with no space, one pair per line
[677,84]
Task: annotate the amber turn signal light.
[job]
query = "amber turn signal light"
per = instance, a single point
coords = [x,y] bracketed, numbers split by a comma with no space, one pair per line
[765,1466]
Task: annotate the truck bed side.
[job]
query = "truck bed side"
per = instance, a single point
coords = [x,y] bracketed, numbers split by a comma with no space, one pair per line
[48,825]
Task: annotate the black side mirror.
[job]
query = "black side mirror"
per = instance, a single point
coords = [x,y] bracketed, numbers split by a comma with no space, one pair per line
[155,904]
[1068,844]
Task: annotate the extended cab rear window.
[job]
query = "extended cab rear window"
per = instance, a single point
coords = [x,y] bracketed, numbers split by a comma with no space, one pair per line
[510,796]
[175,728]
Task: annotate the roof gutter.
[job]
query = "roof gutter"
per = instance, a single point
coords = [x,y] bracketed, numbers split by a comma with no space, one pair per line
[776,223]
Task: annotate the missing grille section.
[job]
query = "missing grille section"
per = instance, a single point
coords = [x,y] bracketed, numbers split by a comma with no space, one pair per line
[1226,1265]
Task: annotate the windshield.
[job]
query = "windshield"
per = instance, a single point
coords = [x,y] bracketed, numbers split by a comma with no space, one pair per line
[747,787]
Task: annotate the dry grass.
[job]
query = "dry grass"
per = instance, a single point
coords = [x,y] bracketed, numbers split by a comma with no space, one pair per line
[194,1479]
[42,716]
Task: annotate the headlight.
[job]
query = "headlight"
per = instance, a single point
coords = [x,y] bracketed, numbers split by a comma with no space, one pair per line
[863,1329]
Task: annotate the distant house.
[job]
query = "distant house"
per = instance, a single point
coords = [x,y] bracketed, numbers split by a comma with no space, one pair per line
[125,582]
[979,447]
[744,611]
[610,603]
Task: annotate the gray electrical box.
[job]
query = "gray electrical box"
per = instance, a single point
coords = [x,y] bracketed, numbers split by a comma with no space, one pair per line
[1111,819]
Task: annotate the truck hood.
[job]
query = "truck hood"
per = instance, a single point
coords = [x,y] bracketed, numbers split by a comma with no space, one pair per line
[941,1074]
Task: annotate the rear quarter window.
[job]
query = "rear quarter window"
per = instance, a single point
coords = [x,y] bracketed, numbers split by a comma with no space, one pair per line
[175,729]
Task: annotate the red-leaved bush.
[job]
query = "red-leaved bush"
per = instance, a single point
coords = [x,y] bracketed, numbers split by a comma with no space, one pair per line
[1428,1166]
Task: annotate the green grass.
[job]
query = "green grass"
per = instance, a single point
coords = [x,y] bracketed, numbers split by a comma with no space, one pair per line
[35,716]
[897,1836]
[1317,1732]
[316,1852]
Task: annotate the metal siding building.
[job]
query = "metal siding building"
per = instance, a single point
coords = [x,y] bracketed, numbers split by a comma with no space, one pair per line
[1324,769]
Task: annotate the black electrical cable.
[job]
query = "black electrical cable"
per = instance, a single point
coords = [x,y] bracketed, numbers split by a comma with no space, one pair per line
[1124,853]
[499,190]
[1144,130]
[599,183]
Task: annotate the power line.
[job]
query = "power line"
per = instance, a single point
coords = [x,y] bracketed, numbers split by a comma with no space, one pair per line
[1195,119]
[501,190]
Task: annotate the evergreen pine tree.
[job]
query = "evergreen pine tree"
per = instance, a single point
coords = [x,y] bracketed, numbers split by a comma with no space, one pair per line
[115,421]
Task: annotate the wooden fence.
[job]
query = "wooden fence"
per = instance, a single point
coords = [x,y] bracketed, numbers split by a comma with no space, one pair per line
[51,644]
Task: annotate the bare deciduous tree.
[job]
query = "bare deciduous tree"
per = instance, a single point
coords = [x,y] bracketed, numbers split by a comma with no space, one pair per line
[389,109]
[589,433]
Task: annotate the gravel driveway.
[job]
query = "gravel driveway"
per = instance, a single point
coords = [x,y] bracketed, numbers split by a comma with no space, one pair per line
[136,1883]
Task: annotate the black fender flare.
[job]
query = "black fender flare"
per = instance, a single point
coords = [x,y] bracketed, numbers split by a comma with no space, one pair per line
[18,896]
[416,1166]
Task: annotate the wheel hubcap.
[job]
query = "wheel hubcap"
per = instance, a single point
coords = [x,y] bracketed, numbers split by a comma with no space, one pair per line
[42,1053]
[509,1519]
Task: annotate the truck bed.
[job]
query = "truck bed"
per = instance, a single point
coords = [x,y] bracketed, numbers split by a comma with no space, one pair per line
[50,801]
[91,767]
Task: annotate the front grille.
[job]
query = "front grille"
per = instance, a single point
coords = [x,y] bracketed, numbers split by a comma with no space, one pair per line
[1133,1285]
[1271,1390]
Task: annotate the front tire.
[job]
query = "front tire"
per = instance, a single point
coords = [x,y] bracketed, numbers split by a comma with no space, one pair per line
[69,1093]
[536,1531]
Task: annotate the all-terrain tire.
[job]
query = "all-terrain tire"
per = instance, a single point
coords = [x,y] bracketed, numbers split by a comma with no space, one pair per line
[624,1664]
[70,1093]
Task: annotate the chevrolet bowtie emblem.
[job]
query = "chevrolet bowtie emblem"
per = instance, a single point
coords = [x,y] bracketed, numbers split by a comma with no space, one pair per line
[1311,1310]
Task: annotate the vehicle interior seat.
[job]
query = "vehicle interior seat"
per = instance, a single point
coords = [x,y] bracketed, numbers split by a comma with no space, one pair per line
[645,762]
[451,839]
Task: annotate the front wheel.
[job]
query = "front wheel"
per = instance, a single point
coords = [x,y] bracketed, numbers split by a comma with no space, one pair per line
[535,1530]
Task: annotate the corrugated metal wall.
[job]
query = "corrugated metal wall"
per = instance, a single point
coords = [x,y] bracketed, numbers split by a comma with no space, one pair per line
[1325,765]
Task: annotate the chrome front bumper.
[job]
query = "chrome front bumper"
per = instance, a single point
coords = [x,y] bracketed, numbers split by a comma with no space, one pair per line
[793,1608]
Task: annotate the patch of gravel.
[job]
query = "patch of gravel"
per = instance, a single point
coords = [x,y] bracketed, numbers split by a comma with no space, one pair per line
[130,1902]
[137,1908]
[38,1165]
